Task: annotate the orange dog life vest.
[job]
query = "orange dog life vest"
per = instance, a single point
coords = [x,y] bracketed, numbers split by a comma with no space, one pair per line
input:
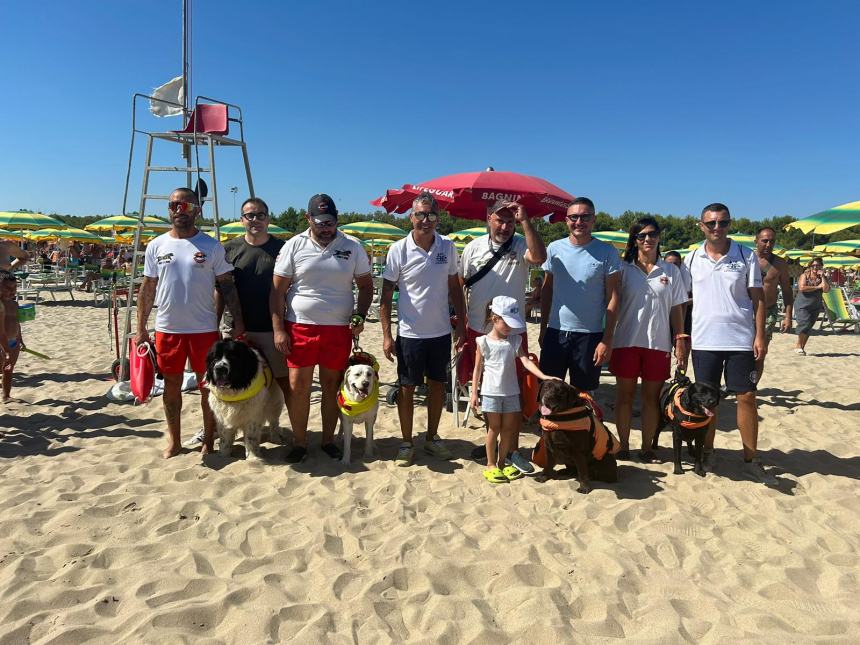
[687,419]
[583,418]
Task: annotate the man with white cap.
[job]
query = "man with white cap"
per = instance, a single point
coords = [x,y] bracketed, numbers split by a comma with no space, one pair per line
[495,360]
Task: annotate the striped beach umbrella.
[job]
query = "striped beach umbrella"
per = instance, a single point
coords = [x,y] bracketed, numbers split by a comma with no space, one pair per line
[373,230]
[128,223]
[70,234]
[468,234]
[10,235]
[830,221]
[20,221]
[844,247]
[235,229]
[618,239]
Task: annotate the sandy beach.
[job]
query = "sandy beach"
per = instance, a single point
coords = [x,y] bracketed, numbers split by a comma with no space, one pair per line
[103,541]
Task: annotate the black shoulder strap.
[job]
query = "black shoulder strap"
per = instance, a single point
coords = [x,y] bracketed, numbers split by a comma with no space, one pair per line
[497,255]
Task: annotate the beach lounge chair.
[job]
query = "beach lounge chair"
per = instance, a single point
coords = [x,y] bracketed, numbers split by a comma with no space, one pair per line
[839,313]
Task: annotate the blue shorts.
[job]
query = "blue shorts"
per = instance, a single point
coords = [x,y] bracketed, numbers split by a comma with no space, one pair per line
[501,404]
[418,358]
[738,367]
[574,351]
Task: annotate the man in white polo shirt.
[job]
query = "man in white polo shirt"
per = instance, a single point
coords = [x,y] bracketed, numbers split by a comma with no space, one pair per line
[179,275]
[728,328]
[509,257]
[423,265]
[315,272]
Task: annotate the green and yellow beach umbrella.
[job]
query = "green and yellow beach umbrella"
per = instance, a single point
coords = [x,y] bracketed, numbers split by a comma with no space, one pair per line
[618,239]
[70,234]
[127,237]
[20,221]
[830,221]
[373,230]
[468,234]
[747,241]
[10,235]
[844,247]
[235,229]
[128,223]
[377,246]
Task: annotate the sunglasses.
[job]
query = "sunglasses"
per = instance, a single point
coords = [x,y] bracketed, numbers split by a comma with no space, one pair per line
[182,207]
[325,223]
[426,217]
[652,234]
[722,223]
[581,218]
[258,215]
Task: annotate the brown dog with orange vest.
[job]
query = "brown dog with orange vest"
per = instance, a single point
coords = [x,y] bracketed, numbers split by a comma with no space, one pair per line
[688,407]
[573,434]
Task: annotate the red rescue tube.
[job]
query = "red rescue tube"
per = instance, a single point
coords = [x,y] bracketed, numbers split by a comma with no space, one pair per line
[142,369]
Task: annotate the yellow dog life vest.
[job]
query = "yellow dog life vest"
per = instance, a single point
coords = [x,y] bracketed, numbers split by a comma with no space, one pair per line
[351,407]
[687,419]
[263,379]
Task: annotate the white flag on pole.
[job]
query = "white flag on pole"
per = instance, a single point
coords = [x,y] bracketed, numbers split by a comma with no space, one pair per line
[170,91]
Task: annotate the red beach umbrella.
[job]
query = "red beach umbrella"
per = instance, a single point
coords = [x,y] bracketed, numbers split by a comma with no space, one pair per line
[468,194]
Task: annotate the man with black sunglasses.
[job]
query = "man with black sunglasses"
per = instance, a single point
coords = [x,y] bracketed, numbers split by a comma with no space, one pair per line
[180,272]
[314,275]
[579,301]
[253,258]
[728,328]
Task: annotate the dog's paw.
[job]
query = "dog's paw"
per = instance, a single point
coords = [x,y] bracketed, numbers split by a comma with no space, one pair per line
[345,461]
[541,477]
[699,470]
[585,489]
[678,470]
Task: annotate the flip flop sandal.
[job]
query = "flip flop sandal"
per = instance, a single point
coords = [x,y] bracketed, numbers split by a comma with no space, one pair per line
[495,476]
[511,473]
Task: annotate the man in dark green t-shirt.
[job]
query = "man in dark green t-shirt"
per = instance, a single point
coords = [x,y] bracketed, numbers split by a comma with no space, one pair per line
[253,258]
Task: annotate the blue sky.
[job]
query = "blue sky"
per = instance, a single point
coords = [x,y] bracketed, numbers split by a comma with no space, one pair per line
[656,106]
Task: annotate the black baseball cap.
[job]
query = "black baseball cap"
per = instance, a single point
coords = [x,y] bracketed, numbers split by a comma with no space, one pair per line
[321,205]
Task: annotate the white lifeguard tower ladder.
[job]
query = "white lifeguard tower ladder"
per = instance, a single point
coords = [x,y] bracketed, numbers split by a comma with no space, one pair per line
[205,125]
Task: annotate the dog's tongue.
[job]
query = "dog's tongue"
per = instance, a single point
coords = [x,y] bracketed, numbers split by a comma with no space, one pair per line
[708,413]
[221,382]
[545,410]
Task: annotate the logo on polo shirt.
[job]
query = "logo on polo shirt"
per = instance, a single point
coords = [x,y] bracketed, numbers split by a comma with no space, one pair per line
[167,258]
[342,255]
[200,257]
[664,280]
[441,258]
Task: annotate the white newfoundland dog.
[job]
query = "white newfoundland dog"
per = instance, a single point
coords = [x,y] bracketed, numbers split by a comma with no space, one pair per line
[242,394]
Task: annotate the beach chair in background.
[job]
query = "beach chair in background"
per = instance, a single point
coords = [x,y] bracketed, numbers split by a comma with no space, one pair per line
[839,313]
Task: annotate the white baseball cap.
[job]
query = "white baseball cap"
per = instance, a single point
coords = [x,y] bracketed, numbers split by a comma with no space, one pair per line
[509,310]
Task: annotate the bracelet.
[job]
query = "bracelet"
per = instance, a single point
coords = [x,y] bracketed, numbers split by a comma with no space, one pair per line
[680,336]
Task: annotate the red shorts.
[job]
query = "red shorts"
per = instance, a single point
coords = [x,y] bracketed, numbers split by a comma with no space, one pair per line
[466,364]
[638,362]
[172,350]
[328,346]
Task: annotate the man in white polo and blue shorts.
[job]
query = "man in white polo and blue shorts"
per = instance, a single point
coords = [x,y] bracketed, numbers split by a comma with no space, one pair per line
[315,272]
[728,328]
[423,265]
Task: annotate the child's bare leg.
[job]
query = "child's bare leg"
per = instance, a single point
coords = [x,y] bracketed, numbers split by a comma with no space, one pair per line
[494,427]
[8,370]
[510,429]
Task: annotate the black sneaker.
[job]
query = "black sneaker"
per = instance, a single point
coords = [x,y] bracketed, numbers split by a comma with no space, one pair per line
[297,455]
[332,451]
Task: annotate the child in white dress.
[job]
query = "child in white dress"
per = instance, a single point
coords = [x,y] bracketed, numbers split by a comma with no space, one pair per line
[495,360]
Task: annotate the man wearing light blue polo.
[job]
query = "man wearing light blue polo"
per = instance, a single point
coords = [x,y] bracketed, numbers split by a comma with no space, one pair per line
[579,301]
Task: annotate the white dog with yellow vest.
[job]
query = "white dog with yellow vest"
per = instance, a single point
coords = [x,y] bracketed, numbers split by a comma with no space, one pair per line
[243,395]
[358,401]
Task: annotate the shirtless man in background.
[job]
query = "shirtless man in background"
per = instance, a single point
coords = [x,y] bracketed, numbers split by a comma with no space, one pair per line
[774,274]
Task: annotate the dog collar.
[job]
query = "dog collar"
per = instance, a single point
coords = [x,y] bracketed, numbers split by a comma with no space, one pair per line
[351,407]
[263,379]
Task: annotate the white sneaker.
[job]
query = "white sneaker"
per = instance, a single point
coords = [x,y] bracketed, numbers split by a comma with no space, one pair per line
[196,440]
[520,463]
[755,470]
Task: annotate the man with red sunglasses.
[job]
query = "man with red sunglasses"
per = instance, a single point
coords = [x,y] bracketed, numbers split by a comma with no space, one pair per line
[180,271]
[728,328]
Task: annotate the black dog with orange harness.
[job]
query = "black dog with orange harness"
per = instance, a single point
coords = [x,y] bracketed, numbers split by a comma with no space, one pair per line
[688,407]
